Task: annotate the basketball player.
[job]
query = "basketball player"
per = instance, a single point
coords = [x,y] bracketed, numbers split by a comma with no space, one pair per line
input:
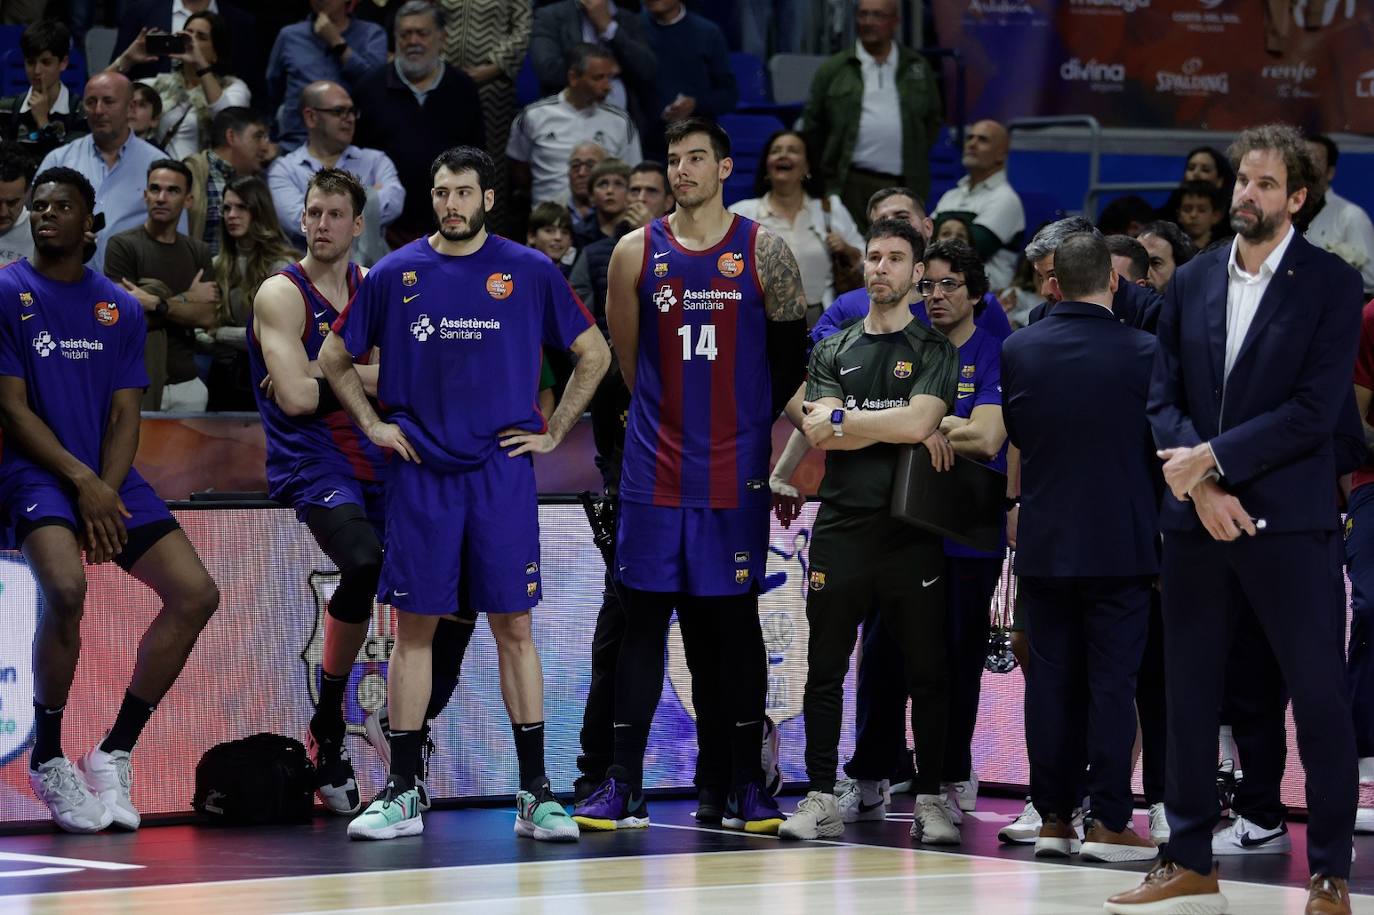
[71,376]
[461,316]
[706,313]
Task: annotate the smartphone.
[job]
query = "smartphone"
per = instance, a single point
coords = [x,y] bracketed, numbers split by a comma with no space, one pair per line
[164,45]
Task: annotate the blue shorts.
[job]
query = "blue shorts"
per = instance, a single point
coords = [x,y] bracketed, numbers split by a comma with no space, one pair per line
[478,527]
[700,551]
[332,490]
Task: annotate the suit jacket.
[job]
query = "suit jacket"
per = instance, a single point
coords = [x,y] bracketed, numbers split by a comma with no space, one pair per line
[1074,388]
[1271,423]
[1134,306]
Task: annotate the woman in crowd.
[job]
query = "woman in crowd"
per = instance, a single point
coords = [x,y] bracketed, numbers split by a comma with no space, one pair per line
[197,89]
[252,247]
[1202,164]
[790,200]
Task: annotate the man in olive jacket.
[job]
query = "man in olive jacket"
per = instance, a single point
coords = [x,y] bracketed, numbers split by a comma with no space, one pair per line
[873,114]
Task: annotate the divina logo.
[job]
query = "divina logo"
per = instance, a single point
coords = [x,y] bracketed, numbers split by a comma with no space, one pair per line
[1103,77]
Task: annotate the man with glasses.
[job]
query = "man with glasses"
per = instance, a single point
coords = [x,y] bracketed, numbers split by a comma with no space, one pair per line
[331,121]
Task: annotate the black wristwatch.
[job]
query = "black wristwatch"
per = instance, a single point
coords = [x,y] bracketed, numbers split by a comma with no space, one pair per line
[161,308]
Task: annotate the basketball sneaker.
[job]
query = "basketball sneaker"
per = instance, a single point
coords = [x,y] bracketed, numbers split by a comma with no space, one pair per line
[73,806]
[615,805]
[393,814]
[710,806]
[1243,837]
[752,810]
[541,817]
[965,793]
[377,733]
[335,784]
[772,771]
[862,799]
[816,817]
[110,778]
[932,824]
[1159,824]
[1023,830]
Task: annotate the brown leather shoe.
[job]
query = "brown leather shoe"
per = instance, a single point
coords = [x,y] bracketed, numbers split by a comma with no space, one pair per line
[1057,839]
[1170,882]
[1327,896]
[1101,844]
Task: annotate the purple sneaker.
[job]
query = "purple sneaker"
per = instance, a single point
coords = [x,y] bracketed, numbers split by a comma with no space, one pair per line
[614,805]
[752,810]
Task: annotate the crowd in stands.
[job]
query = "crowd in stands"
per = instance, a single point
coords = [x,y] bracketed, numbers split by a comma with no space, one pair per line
[261,101]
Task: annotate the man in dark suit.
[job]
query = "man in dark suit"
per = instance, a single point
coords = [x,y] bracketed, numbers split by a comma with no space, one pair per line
[1256,350]
[249,51]
[1074,391]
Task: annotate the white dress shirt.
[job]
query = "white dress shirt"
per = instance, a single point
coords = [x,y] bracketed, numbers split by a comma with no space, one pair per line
[878,146]
[1243,293]
[804,234]
[61,105]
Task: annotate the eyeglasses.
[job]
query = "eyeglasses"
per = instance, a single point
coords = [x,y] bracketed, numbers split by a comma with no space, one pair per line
[946,285]
[339,111]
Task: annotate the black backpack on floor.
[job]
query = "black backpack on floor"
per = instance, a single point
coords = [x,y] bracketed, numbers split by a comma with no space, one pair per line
[266,778]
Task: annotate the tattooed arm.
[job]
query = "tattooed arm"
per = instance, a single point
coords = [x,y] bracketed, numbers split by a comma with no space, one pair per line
[784,302]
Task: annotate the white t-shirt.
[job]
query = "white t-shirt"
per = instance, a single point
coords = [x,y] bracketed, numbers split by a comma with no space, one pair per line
[1345,230]
[805,236]
[545,133]
[878,145]
[18,241]
[995,207]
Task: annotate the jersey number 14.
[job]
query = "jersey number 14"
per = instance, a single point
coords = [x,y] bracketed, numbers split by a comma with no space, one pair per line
[706,342]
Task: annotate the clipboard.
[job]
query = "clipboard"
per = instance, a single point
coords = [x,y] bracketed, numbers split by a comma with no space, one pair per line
[966,503]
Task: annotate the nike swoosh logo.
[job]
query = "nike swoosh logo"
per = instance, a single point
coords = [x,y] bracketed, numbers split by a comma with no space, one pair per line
[30,508]
[853,368]
[927,584]
[399,593]
[1247,841]
[658,254]
[320,314]
[331,495]
[864,808]
[528,727]
[965,396]
[26,317]
[745,724]
[621,724]
[407,299]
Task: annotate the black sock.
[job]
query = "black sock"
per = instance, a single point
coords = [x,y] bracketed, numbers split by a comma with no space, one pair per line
[529,750]
[328,719]
[129,723]
[405,757]
[47,743]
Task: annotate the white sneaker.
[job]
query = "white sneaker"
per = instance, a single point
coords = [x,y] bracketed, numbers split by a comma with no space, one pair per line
[816,817]
[862,799]
[1245,838]
[772,772]
[966,793]
[1159,824]
[73,806]
[1024,830]
[110,779]
[931,824]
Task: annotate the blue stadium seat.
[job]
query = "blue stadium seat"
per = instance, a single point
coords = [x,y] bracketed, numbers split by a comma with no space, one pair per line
[748,134]
[527,84]
[751,78]
[13,79]
[1040,208]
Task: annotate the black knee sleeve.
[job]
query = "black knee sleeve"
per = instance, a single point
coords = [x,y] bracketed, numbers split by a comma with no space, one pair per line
[349,539]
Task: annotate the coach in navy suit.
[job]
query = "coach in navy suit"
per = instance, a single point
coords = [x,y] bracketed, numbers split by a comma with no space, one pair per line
[1074,392]
[1256,350]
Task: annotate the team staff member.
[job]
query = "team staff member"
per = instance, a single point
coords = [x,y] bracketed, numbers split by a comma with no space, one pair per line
[1074,388]
[462,316]
[71,375]
[880,382]
[1270,323]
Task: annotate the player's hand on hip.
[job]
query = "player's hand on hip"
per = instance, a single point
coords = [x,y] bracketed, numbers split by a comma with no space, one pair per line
[1220,512]
[102,514]
[520,441]
[389,435]
[941,451]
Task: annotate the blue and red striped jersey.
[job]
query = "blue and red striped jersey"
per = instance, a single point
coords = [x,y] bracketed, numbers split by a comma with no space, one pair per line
[320,443]
[698,433]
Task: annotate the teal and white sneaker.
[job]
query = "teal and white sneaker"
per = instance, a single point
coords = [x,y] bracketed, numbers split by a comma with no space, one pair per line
[392,815]
[543,818]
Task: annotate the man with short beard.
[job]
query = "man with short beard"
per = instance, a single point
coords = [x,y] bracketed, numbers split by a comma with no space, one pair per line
[16,238]
[415,108]
[462,316]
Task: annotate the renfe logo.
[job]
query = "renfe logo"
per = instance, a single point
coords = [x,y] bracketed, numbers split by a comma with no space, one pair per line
[18,620]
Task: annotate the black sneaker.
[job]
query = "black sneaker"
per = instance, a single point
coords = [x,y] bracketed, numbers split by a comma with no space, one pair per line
[1226,792]
[585,786]
[710,806]
[334,781]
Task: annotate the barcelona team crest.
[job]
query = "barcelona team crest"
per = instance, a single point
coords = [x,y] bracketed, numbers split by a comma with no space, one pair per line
[26,299]
[531,588]
[741,576]
[661,269]
[817,580]
[902,370]
[968,370]
[409,278]
[324,328]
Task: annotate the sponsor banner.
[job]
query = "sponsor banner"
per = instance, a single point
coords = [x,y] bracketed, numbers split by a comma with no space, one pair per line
[1211,64]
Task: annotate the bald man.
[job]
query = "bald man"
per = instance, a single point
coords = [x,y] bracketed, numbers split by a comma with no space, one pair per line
[873,113]
[985,194]
[330,121]
[111,158]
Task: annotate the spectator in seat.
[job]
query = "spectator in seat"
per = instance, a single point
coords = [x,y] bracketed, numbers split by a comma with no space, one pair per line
[790,199]
[16,174]
[954,227]
[46,116]
[239,147]
[198,89]
[330,46]
[649,200]
[610,183]
[1202,163]
[550,232]
[1130,260]
[1125,216]
[246,34]
[581,209]
[694,72]
[415,108]
[252,247]
[564,24]
[873,113]
[1203,212]
[145,111]
[173,278]
[331,119]
[111,158]
[1336,224]
[547,131]
[1169,248]
[988,197]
